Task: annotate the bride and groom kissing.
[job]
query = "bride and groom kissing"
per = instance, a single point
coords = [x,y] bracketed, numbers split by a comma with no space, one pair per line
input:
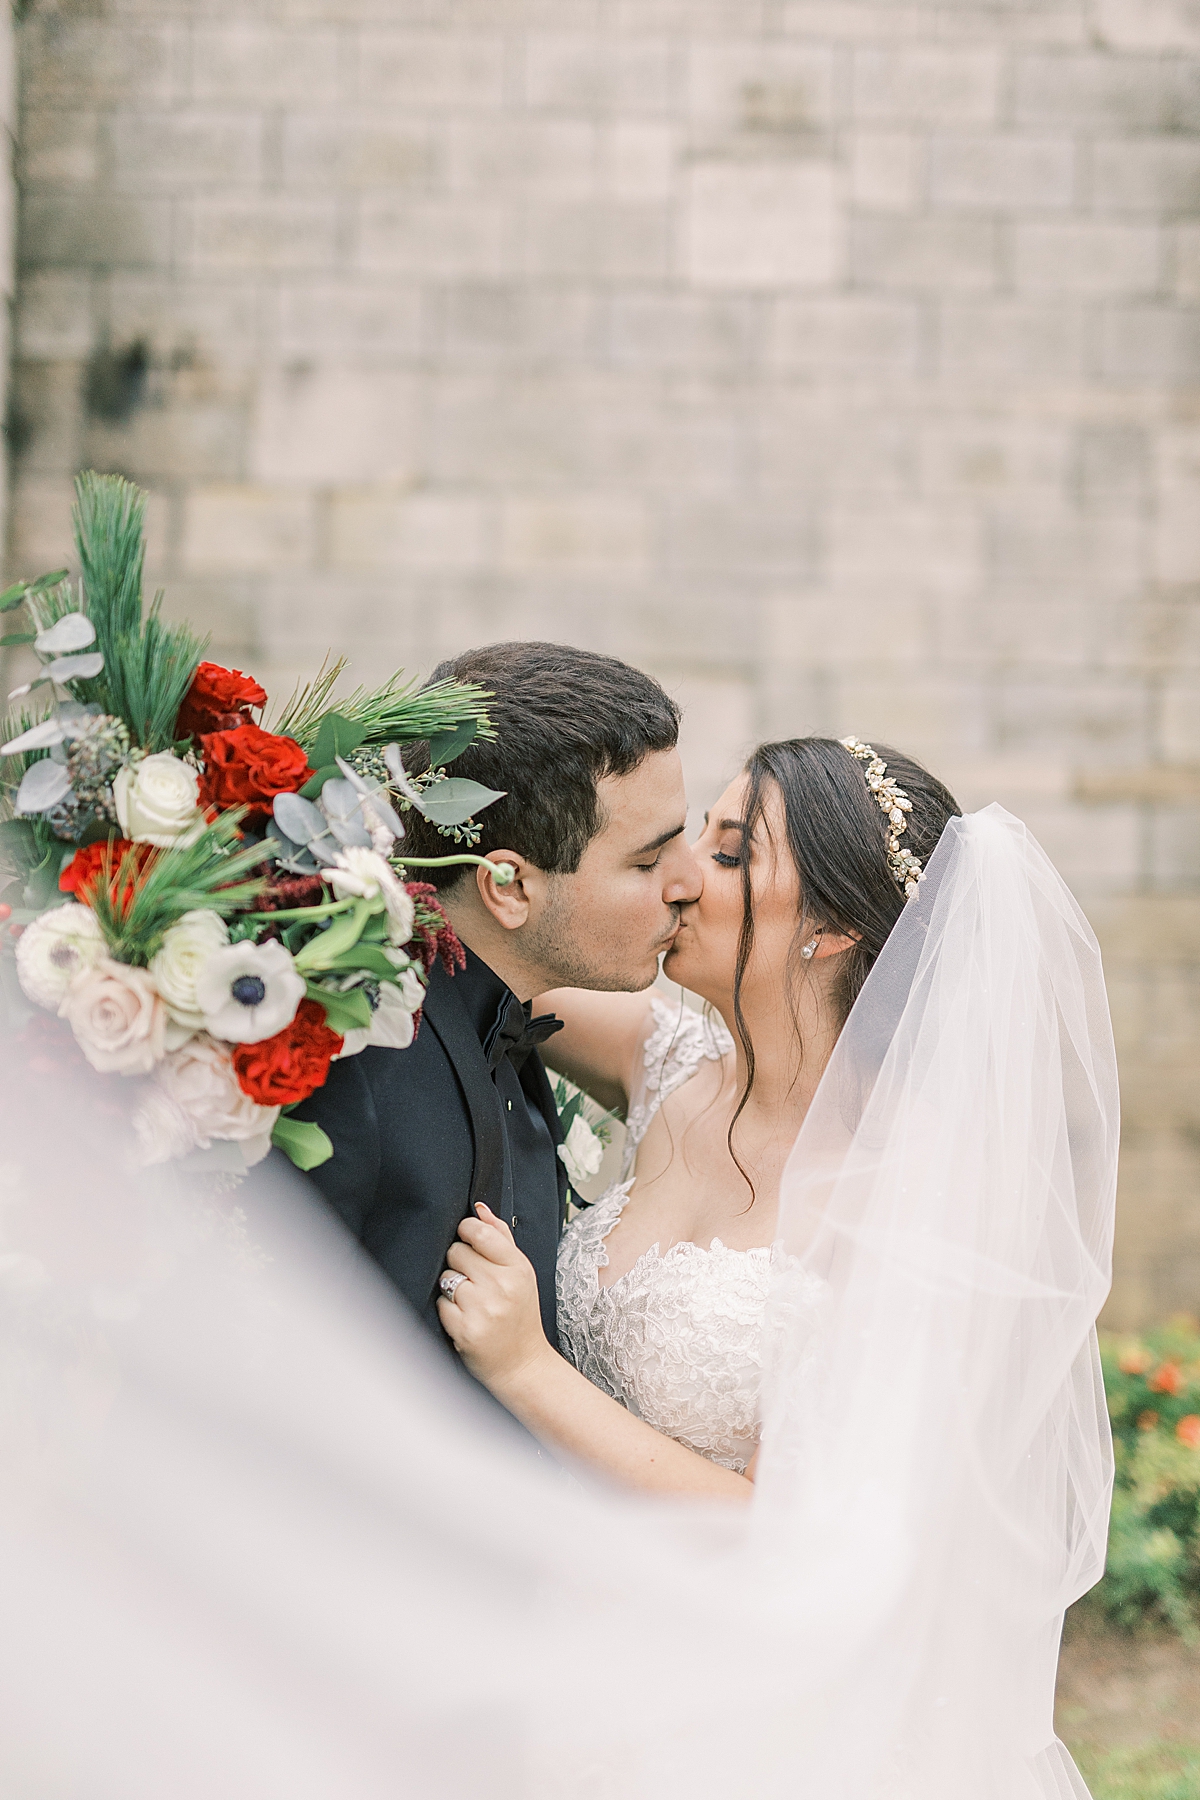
[631,1340]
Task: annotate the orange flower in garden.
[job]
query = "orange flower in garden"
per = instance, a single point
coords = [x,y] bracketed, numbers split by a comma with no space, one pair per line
[1135,1361]
[1188,1430]
[93,861]
[1167,1380]
[1146,1421]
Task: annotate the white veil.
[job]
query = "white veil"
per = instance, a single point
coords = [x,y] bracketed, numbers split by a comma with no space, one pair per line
[255,1541]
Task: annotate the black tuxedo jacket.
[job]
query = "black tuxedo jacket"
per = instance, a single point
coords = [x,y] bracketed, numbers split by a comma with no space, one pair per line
[418,1137]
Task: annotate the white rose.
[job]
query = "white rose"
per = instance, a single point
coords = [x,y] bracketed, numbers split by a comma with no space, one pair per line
[156,800]
[117,1017]
[162,1129]
[248,992]
[186,947]
[582,1153]
[392,1026]
[200,1080]
[55,948]
[361,874]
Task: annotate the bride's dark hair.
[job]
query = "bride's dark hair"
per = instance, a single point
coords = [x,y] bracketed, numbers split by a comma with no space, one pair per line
[837,837]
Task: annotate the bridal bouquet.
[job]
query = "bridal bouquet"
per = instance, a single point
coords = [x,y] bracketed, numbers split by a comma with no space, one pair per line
[211,910]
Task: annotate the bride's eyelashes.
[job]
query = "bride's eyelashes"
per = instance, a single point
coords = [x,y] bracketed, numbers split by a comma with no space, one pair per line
[726,861]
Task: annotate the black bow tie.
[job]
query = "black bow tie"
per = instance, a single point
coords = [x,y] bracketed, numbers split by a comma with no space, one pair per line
[515,1034]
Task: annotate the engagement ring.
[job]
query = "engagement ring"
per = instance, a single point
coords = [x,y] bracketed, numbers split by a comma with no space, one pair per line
[449,1283]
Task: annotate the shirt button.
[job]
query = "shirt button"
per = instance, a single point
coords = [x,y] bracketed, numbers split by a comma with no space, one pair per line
[508,1103]
[515,1221]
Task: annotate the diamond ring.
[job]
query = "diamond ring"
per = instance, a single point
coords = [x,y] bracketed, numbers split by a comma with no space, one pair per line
[449,1282]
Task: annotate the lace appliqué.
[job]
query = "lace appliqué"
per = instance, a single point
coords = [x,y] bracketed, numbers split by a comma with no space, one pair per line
[679,1338]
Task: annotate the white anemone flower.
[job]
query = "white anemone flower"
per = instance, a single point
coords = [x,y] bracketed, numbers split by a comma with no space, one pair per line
[56,947]
[248,992]
[392,1024]
[360,874]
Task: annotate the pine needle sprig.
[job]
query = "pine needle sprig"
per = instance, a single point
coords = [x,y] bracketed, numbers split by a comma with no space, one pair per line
[148,665]
[395,713]
[301,714]
[138,898]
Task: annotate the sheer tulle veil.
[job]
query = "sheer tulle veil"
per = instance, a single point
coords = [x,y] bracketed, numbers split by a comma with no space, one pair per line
[254,1540]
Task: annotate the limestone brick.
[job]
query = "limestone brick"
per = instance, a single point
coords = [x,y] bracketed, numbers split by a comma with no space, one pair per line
[1022,341]
[327,425]
[1155,175]
[1087,256]
[758,89]
[915,253]
[987,172]
[764,224]
[425,70]
[909,85]
[190,149]
[55,321]
[255,63]
[370,529]
[57,146]
[242,529]
[1106,92]
[364,317]
[253,233]
[434,236]
[1148,24]
[586,533]
[76,229]
[329,150]
[885,170]
[633,74]
[1140,342]
[1187,261]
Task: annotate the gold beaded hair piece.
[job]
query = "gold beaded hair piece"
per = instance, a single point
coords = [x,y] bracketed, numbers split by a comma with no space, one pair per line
[904,867]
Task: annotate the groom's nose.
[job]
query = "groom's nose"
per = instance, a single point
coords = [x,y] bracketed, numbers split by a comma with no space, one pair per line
[683,878]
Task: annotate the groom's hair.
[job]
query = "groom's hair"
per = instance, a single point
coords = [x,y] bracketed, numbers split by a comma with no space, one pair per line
[564,719]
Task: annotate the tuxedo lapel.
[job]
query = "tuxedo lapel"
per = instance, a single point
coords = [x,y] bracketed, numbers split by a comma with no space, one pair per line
[446,1016]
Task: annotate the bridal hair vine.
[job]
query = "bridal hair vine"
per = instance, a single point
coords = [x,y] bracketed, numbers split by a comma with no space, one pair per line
[904,867]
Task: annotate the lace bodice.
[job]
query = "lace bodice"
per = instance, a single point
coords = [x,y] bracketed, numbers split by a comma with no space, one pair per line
[677,1338]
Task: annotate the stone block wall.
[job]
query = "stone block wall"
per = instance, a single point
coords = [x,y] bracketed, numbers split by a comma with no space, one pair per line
[837,359]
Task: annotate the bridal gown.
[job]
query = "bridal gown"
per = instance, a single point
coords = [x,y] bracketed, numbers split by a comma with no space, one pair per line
[679,1338]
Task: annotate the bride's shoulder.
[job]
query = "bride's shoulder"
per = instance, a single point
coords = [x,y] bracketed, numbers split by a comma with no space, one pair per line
[678,1040]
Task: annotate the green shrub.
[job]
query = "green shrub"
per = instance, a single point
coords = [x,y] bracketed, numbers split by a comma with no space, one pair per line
[1153,1567]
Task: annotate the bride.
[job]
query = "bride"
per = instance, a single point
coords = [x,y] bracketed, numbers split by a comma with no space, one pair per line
[809,859]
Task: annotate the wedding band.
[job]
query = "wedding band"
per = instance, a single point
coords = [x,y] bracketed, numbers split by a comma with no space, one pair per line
[449,1282]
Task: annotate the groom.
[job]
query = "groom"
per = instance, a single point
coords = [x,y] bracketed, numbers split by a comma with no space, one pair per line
[592,823]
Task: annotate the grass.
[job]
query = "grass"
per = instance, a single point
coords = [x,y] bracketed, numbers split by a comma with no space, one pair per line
[1129,1709]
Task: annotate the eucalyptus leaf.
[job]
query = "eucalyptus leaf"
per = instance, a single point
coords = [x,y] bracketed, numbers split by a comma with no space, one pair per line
[349,1011]
[299,819]
[351,832]
[312,787]
[450,802]
[74,631]
[43,785]
[336,736]
[384,813]
[12,596]
[38,737]
[396,770]
[444,749]
[339,800]
[75,668]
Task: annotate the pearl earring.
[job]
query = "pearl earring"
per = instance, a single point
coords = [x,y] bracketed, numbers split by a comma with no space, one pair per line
[810,950]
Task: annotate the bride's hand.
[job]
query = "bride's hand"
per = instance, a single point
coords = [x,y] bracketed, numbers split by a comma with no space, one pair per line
[495,1318]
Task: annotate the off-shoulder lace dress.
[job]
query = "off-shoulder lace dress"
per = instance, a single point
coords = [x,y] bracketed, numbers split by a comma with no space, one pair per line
[678,1338]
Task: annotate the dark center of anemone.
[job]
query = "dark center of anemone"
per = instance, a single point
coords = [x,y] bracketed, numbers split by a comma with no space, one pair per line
[63,956]
[249,990]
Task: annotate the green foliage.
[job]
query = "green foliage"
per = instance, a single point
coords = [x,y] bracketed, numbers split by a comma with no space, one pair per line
[148,665]
[305,1143]
[396,713]
[136,900]
[1153,1566]
[1156,1771]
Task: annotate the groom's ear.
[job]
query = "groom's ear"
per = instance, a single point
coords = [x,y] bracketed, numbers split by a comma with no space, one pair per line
[510,905]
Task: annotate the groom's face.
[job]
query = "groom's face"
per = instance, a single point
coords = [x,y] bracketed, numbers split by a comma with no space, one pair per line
[606,925]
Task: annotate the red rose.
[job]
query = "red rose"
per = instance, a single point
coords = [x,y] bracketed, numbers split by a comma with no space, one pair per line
[249,766]
[217,701]
[291,1065]
[88,864]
